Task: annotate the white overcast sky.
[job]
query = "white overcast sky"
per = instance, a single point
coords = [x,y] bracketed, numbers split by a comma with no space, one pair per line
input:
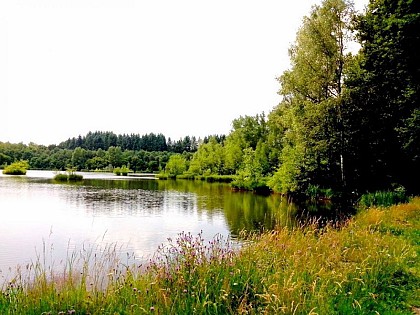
[184,67]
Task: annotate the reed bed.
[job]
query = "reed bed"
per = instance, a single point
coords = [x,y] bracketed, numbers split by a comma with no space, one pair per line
[368,266]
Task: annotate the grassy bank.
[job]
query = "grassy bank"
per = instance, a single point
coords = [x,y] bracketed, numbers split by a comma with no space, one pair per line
[368,266]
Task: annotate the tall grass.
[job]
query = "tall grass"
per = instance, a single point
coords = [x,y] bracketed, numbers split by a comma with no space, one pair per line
[368,266]
[383,198]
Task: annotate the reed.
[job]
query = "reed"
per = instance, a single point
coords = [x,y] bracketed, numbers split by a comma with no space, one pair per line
[368,265]
[383,198]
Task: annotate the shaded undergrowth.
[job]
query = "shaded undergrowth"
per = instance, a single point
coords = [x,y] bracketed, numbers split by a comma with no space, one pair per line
[368,266]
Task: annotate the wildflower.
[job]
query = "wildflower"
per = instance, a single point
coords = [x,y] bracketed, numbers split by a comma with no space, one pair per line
[152,308]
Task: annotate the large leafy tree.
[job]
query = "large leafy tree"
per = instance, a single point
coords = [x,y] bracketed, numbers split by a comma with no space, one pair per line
[310,114]
[247,132]
[176,165]
[384,91]
[208,159]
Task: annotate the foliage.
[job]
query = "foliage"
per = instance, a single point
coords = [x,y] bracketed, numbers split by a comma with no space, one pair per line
[148,142]
[176,165]
[315,192]
[384,91]
[123,170]
[69,176]
[346,123]
[52,157]
[367,266]
[16,168]
[250,175]
[247,132]
[310,116]
[208,159]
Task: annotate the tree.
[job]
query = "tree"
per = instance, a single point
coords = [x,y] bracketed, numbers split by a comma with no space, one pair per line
[114,156]
[384,90]
[79,158]
[208,159]
[176,165]
[310,120]
[247,132]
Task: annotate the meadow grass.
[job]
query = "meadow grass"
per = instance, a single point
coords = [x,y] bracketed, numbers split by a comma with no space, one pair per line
[369,265]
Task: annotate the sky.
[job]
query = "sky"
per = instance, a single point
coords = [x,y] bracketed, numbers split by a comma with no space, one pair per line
[185,67]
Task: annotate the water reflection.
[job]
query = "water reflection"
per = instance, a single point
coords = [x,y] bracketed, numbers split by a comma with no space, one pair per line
[136,214]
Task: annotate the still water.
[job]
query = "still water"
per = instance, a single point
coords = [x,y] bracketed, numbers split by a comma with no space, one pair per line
[40,217]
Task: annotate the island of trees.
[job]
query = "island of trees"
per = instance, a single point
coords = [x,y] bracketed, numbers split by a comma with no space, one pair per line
[347,122]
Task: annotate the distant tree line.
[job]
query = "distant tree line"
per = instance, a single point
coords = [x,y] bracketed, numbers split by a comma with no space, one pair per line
[103,151]
[136,142]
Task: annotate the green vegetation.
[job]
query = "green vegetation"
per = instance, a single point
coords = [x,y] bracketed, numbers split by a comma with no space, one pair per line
[123,170]
[331,135]
[176,165]
[70,176]
[16,168]
[347,123]
[383,198]
[367,266]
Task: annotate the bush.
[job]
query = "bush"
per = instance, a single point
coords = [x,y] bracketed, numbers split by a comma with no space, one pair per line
[61,177]
[123,170]
[70,176]
[16,168]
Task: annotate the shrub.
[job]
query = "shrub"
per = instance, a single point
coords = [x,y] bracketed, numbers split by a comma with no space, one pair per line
[70,176]
[16,168]
[123,170]
[61,177]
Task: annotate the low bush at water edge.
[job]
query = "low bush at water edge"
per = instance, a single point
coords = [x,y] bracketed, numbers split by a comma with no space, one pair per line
[16,168]
[368,266]
[70,176]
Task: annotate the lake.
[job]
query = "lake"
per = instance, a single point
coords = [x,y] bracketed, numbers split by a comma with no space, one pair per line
[45,220]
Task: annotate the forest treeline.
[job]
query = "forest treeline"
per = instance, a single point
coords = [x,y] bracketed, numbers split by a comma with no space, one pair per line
[136,142]
[103,151]
[347,121]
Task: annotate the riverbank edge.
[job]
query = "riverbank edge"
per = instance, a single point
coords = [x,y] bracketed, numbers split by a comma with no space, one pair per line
[370,264]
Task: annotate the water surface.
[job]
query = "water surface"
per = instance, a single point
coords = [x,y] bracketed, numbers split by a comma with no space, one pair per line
[41,217]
